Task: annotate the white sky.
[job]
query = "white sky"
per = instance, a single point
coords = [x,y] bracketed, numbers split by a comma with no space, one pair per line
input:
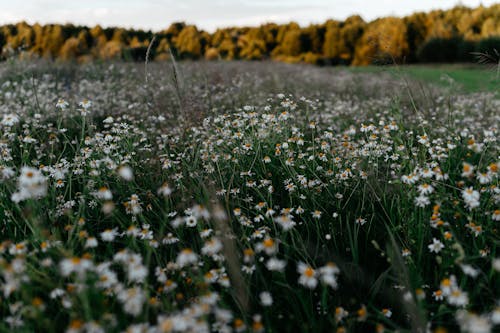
[210,14]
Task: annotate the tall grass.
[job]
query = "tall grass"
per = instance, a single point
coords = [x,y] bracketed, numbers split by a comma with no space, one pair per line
[280,198]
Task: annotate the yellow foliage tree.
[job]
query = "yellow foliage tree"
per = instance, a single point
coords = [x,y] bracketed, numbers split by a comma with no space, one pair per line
[384,40]
[188,42]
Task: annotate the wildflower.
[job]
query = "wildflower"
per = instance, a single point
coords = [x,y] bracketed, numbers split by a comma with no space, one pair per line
[239,325]
[109,235]
[103,193]
[425,189]
[290,187]
[467,169]
[133,206]
[361,221]
[19,248]
[458,298]
[340,313]
[422,201]
[473,323]
[270,212]
[59,183]
[74,265]
[133,300]
[307,275]
[285,222]
[258,218]
[266,298]
[475,229]
[260,205]
[328,274]
[10,120]
[211,247]
[496,264]
[316,214]
[275,264]
[493,168]
[126,173]
[427,173]
[419,293]
[362,313]
[91,242]
[257,325]
[31,184]
[406,252]
[206,232]
[387,313]
[484,178]
[471,198]
[62,104]
[75,326]
[109,120]
[165,190]
[438,295]
[436,246]
[495,316]
[190,221]
[85,106]
[108,207]
[136,272]
[447,285]
[423,139]
[186,257]
[170,239]
[268,245]
[169,286]
[6,172]
[56,293]
[410,179]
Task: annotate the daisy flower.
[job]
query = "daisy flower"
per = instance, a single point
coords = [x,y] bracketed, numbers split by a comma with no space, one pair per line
[307,275]
[436,246]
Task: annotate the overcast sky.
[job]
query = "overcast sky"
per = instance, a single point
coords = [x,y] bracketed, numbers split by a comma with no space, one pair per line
[209,14]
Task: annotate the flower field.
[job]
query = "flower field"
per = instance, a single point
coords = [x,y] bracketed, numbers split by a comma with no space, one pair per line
[245,197]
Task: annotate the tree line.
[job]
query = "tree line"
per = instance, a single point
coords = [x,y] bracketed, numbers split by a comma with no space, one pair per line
[453,35]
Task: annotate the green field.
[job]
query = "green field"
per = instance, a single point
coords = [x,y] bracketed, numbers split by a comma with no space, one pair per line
[460,77]
[247,197]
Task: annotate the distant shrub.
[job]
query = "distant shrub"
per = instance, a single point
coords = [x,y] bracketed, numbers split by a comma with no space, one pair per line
[212,54]
[454,49]
[137,53]
[488,45]
[311,58]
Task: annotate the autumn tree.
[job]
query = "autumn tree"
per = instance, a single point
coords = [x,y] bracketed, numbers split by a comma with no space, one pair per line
[72,49]
[188,43]
[333,46]
[416,33]
[289,42]
[341,39]
[454,34]
[252,44]
[225,41]
[53,41]
[384,41]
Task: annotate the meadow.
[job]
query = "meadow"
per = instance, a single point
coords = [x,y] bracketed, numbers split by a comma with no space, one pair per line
[247,197]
